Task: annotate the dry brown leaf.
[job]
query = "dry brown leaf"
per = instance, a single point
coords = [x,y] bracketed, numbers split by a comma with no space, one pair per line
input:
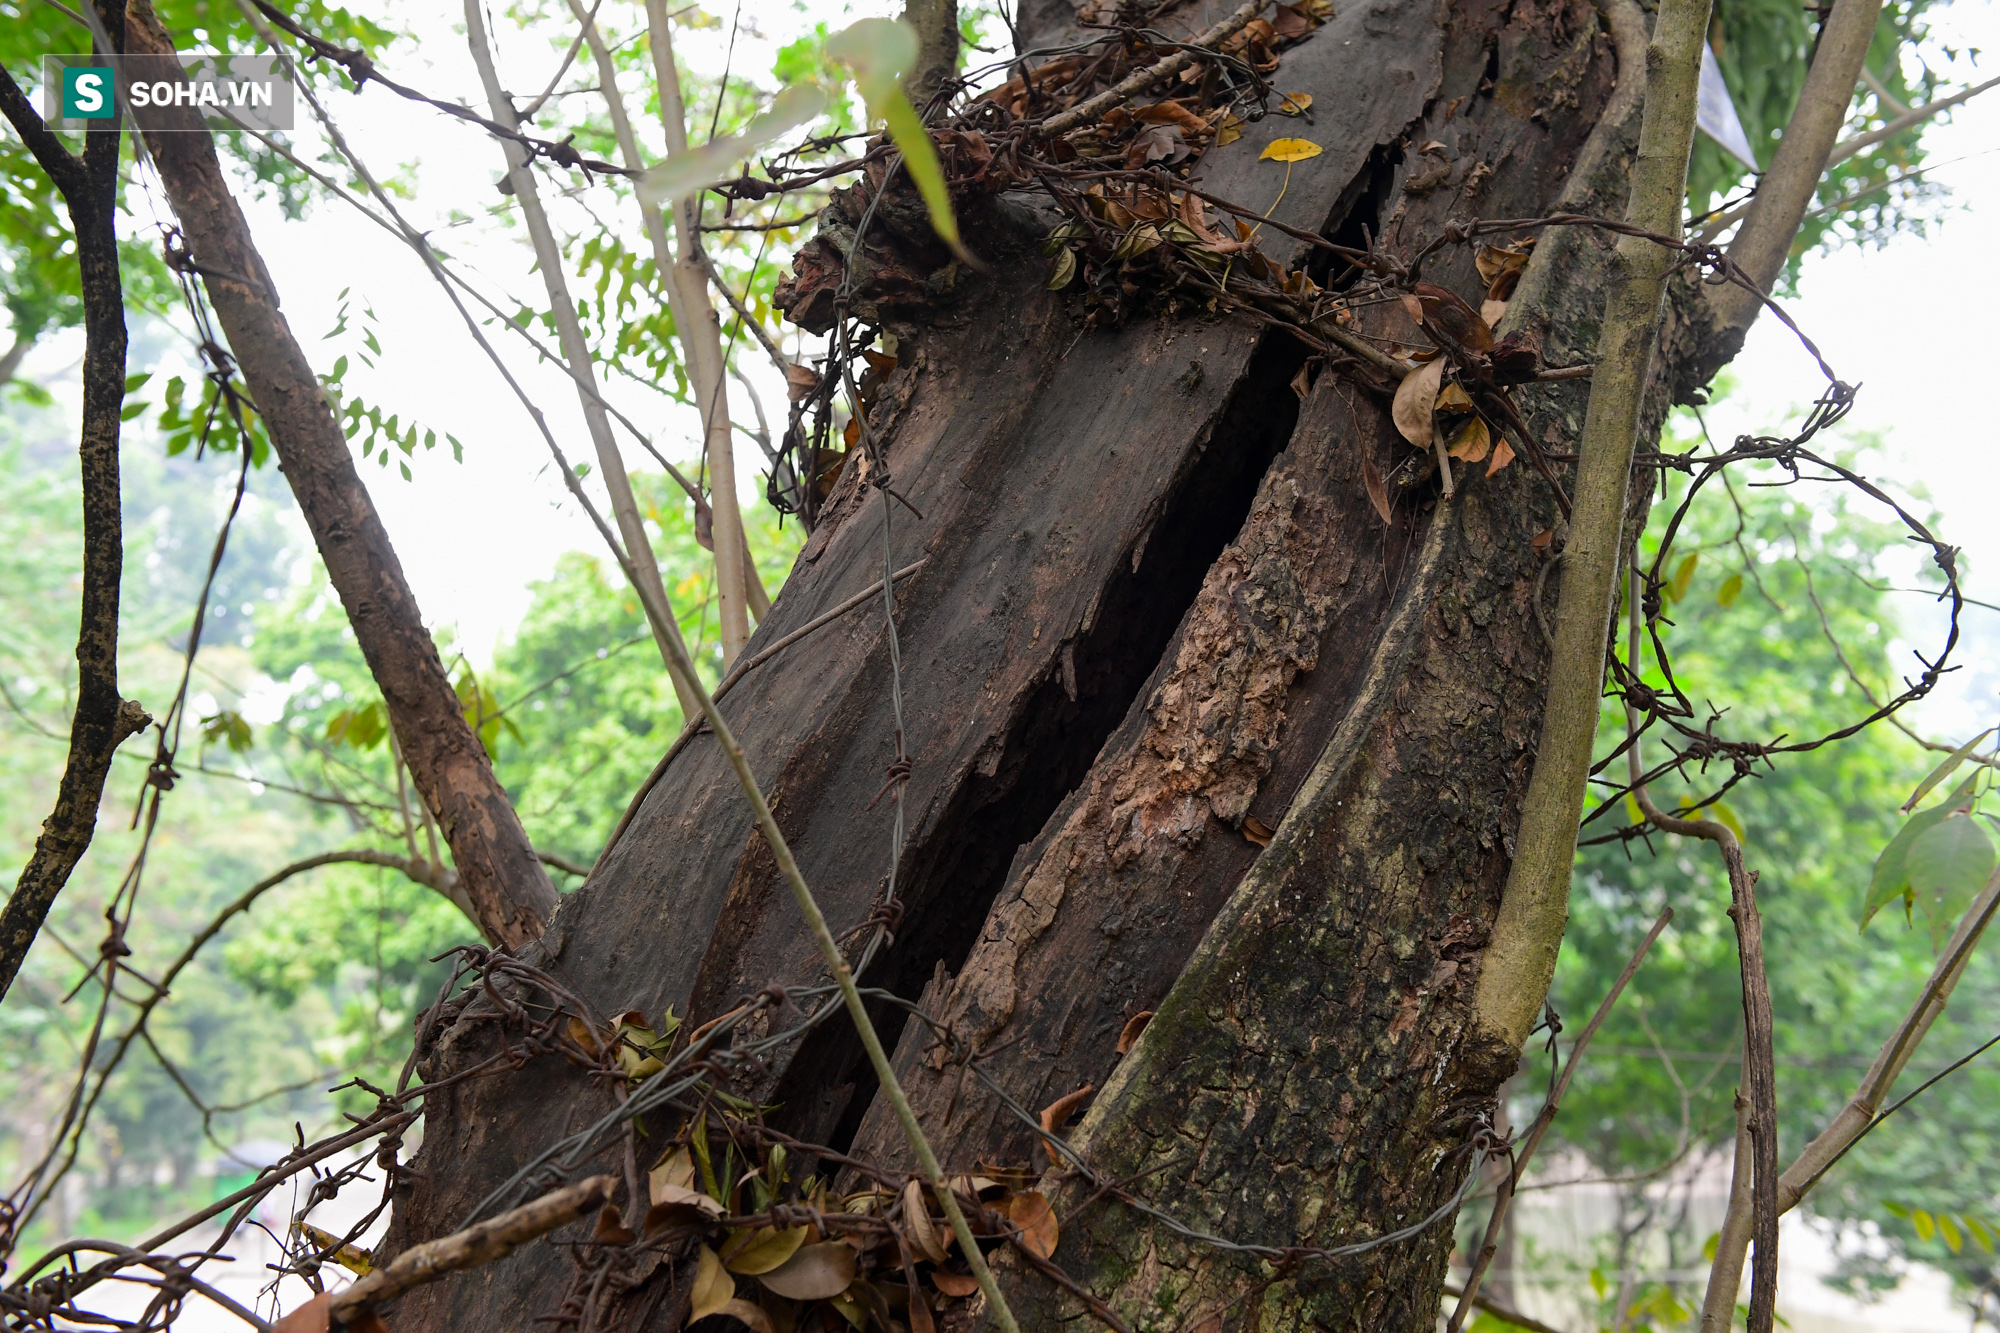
[713,1287]
[1295,104]
[1290,24]
[675,1171]
[917,1224]
[761,1250]
[1302,382]
[1371,479]
[1171,113]
[308,1318]
[1491,311]
[663,1216]
[1446,313]
[581,1034]
[1503,454]
[1062,1108]
[1472,441]
[752,1316]
[814,1272]
[1229,130]
[1414,307]
[1257,831]
[1411,410]
[954,1285]
[1134,1025]
[920,1311]
[1545,536]
[1453,398]
[611,1228]
[800,381]
[1030,1211]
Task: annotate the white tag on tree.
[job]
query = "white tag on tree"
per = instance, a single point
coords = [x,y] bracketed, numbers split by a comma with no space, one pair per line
[1715,113]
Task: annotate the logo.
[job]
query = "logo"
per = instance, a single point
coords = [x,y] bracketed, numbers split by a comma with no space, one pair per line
[88,94]
[204,92]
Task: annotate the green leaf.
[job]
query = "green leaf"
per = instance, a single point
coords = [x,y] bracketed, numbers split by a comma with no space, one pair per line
[1980,1232]
[1896,1208]
[1947,864]
[1949,1230]
[362,728]
[1731,589]
[226,728]
[1944,770]
[879,51]
[1891,879]
[1677,586]
[339,368]
[1064,270]
[131,410]
[1920,1219]
[703,164]
[134,382]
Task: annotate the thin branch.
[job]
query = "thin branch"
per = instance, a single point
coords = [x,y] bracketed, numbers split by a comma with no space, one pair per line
[481,1243]
[1490,1246]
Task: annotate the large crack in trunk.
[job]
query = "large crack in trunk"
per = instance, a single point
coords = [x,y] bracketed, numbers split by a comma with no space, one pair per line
[1156,600]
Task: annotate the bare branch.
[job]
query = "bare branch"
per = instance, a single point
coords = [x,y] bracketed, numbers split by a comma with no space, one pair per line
[481,1243]
[103,719]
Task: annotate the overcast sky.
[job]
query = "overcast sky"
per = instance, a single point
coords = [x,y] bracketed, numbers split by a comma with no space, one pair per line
[1911,322]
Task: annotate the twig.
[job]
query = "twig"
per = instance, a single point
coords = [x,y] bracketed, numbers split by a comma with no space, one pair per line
[1760,1071]
[1506,1313]
[1131,85]
[480,1243]
[1504,1199]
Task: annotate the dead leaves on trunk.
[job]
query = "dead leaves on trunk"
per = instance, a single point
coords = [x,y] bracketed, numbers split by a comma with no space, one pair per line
[772,1244]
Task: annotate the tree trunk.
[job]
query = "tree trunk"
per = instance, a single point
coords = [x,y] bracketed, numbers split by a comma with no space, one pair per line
[103,719]
[1157,602]
[496,865]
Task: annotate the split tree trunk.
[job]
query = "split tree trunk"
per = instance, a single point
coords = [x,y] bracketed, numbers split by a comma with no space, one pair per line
[496,865]
[1156,600]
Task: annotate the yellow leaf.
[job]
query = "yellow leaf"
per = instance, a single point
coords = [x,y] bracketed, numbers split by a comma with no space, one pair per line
[1296,104]
[815,1273]
[760,1251]
[713,1287]
[1472,442]
[1290,150]
[351,1257]
[1230,130]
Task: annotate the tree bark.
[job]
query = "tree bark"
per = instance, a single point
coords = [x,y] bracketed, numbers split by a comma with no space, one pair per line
[1156,600]
[497,867]
[103,719]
